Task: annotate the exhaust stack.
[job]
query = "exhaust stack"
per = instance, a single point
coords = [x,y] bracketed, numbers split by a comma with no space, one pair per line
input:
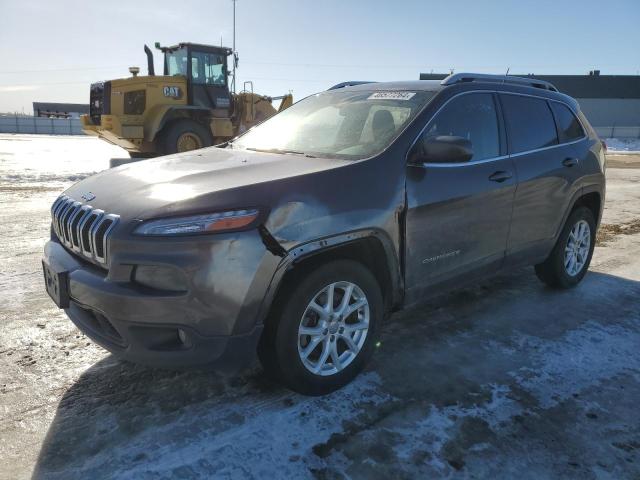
[150,68]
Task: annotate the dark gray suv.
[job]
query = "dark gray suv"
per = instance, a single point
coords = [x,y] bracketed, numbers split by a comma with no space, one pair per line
[297,238]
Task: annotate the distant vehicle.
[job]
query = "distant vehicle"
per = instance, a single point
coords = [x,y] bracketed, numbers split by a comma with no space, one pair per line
[296,239]
[189,107]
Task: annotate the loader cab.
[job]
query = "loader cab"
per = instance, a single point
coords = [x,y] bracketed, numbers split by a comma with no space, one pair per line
[205,68]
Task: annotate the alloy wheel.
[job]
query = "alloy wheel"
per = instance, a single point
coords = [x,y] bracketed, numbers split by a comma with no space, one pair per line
[333,328]
[576,250]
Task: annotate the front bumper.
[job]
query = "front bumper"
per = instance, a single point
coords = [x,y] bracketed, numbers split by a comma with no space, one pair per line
[202,326]
[162,345]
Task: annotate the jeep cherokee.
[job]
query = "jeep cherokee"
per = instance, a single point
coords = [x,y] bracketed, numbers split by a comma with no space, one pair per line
[297,238]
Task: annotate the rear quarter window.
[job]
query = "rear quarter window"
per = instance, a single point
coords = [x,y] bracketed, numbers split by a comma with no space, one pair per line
[530,124]
[569,127]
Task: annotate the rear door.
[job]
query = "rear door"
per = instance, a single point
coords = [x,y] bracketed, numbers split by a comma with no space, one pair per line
[547,171]
[458,214]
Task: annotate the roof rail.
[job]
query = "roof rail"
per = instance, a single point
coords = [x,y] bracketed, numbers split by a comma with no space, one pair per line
[348,84]
[483,77]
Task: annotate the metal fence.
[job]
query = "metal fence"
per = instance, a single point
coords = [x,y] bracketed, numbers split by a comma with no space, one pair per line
[42,125]
[618,132]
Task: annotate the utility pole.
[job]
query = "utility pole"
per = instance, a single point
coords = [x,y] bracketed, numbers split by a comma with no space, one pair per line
[235,55]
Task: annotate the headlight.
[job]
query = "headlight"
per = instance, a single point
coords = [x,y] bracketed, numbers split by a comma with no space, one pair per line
[207,223]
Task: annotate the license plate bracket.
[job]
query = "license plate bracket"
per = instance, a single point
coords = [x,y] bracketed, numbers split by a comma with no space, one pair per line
[57,284]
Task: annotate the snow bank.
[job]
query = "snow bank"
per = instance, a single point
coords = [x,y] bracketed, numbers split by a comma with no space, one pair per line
[623,145]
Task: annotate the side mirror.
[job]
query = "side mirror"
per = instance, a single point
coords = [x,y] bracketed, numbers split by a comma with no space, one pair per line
[442,149]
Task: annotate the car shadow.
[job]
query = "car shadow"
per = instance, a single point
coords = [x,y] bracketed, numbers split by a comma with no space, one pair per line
[125,420]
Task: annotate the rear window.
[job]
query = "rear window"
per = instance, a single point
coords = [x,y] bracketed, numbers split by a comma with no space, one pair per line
[568,125]
[530,122]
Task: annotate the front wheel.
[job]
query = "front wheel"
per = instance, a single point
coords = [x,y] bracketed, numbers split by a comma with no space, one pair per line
[570,258]
[323,329]
[185,135]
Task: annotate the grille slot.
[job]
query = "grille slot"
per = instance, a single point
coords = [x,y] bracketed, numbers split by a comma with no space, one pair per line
[82,228]
[96,102]
[99,101]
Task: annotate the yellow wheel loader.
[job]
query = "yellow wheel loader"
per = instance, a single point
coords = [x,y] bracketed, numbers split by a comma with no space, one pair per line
[190,106]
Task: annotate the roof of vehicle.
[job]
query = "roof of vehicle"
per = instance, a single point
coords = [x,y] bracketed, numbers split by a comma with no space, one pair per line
[436,86]
[431,85]
[197,46]
[593,85]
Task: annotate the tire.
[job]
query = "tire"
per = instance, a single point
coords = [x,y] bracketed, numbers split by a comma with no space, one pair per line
[281,348]
[183,133]
[554,271]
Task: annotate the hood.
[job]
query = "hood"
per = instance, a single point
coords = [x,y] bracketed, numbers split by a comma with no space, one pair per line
[209,178]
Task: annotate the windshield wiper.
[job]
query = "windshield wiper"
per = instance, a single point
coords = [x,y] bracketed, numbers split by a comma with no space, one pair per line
[278,150]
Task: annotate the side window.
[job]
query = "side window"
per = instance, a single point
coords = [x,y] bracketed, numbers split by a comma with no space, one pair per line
[471,116]
[207,69]
[195,70]
[568,125]
[214,70]
[530,123]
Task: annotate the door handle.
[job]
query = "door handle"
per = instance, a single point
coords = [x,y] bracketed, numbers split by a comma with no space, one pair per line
[570,162]
[500,176]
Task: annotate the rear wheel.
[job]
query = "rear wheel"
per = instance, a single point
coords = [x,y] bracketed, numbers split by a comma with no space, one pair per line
[323,329]
[570,258]
[185,135]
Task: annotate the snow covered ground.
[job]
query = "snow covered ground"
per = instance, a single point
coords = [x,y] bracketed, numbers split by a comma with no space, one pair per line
[623,145]
[506,379]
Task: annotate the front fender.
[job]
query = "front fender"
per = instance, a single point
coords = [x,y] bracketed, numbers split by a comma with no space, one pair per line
[311,248]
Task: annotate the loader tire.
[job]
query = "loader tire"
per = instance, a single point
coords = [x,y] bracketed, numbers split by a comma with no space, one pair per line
[185,135]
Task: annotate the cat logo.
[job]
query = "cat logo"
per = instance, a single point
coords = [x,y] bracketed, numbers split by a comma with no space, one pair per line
[172,92]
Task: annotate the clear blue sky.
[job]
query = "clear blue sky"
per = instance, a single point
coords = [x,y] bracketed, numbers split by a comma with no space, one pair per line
[52,50]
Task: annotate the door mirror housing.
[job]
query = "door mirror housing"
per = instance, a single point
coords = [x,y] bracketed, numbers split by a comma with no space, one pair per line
[442,149]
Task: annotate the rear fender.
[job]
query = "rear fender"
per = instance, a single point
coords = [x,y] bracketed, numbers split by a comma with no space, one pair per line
[574,200]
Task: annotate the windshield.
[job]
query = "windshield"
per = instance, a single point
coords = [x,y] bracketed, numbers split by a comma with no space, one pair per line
[176,62]
[343,124]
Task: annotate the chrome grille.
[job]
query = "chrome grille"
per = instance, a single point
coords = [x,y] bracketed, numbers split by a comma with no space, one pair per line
[82,228]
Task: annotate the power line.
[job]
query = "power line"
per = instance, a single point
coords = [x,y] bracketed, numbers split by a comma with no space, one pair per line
[43,84]
[86,82]
[337,65]
[75,69]
[430,66]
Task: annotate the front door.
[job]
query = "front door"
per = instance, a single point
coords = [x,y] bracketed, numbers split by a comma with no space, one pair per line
[458,214]
[209,80]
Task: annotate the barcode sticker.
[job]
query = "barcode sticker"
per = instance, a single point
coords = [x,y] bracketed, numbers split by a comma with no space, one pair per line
[391,96]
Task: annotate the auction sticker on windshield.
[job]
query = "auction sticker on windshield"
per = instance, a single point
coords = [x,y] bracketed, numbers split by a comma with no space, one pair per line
[391,96]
